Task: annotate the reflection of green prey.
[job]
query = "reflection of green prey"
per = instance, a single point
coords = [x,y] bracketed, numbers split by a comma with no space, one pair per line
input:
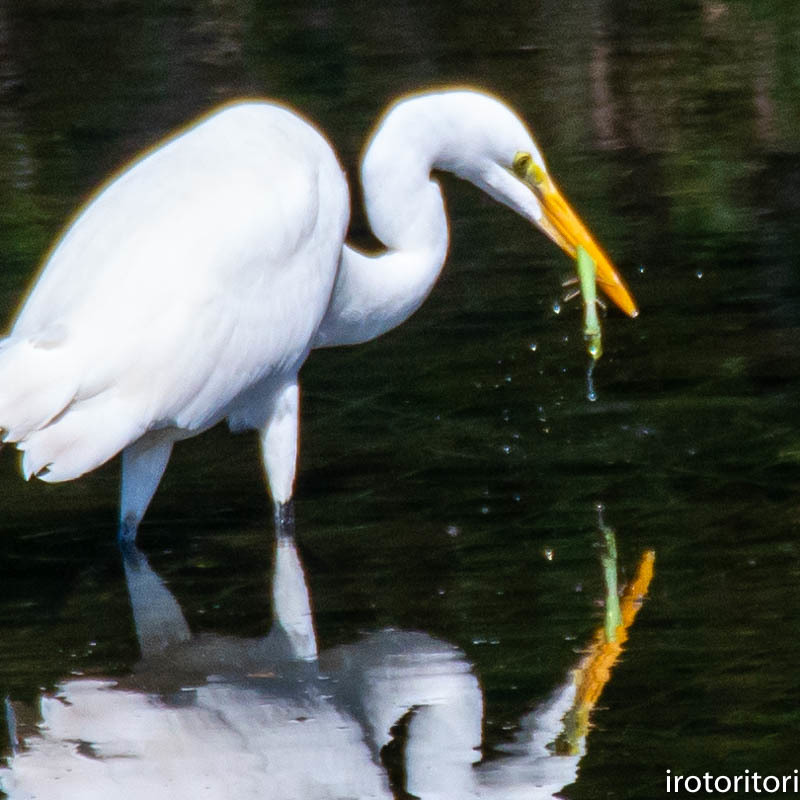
[608,558]
[594,670]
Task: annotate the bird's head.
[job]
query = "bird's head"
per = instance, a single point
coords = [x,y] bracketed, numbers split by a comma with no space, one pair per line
[490,146]
[555,217]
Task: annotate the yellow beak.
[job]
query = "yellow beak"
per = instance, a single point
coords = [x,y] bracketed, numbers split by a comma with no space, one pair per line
[565,228]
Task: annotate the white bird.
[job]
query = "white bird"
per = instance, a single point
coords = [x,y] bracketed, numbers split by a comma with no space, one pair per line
[193,286]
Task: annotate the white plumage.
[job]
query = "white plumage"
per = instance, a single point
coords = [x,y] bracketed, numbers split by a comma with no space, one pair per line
[175,293]
[193,286]
[273,722]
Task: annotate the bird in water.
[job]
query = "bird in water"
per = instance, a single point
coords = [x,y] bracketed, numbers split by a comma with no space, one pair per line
[195,283]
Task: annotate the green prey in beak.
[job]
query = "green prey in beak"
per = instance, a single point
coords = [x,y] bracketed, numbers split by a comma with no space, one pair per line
[566,229]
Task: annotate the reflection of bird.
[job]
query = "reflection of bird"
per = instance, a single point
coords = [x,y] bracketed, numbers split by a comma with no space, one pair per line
[193,286]
[220,716]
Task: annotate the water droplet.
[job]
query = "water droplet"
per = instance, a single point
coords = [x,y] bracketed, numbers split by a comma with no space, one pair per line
[484,509]
[556,308]
[591,395]
[506,448]
[453,531]
[641,269]
[699,274]
[533,347]
[548,553]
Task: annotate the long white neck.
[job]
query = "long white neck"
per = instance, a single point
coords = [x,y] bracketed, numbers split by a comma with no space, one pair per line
[375,293]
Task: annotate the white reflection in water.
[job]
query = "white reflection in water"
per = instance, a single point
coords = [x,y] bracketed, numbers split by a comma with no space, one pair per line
[220,717]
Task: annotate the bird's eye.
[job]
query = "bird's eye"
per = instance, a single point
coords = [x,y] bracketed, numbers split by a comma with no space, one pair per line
[521,163]
[527,169]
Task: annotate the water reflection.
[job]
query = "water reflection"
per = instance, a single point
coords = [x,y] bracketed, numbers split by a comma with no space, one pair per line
[398,713]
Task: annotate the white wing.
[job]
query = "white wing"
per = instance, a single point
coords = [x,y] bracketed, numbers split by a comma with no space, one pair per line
[202,271]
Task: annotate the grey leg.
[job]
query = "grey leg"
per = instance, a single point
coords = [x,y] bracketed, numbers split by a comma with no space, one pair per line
[143,465]
[284,520]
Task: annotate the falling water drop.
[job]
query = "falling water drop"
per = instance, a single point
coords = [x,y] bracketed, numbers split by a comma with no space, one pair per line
[591,395]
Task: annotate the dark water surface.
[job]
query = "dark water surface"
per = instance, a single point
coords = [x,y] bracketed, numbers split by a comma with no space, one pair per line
[449,471]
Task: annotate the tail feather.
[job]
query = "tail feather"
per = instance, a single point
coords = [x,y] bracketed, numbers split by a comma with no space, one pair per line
[87,435]
[61,437]
[36,385]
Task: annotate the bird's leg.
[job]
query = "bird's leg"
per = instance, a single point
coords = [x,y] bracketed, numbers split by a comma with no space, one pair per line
[291,604]
[284,520]
[279,454]
[143,465]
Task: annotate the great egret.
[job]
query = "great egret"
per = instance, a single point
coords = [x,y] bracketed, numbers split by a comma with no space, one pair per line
[193,286]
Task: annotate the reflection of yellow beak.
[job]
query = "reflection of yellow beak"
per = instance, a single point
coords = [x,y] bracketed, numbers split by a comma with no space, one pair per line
[564,227]
[594,671]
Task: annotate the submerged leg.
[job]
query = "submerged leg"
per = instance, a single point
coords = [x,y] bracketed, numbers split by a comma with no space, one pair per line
[143,465]
[284,519]
[279,454]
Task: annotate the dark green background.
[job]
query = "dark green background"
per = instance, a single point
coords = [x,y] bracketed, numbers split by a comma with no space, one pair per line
[439,462]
